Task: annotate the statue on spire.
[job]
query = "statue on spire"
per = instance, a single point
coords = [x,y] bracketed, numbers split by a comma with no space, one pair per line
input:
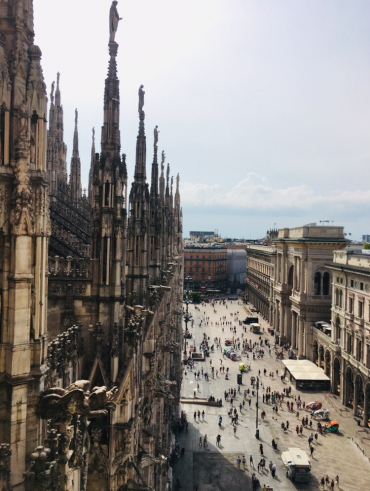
[163,159]
[141,99]
[114,18]
[156,136]
[52,92]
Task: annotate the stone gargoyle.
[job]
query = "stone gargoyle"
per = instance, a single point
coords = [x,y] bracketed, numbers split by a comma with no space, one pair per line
[61,404]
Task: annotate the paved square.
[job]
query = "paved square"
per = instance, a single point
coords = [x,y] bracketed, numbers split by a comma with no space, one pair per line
[333,454]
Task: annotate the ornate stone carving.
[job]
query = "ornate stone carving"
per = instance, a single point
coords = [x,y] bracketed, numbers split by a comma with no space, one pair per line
[5,454]
[43,475]
[61,404]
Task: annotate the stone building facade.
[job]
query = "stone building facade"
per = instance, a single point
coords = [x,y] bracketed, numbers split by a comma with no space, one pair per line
[206,267]
[261,260]
[302,282]
[90,290]
[346,351]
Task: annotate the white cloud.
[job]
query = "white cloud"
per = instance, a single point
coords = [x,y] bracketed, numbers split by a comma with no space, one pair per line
[254,193]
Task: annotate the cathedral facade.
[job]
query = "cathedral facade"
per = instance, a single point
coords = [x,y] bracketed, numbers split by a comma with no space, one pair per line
[90,289]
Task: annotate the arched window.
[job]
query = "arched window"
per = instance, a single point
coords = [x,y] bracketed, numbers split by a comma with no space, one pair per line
[326,284]
[340,298]
[317,285]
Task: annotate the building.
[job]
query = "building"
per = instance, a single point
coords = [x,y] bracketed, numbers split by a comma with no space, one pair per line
[202,236]
[345,349]
[206,267]
[302,282]
[366,238]
[236,267]
[261,261]
[90,289]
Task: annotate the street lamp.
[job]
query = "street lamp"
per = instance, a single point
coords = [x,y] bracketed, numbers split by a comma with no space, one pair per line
[257,430]
[186,315]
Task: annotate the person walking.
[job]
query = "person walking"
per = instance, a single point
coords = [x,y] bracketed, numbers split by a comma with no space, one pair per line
[205,441]
[195,415]
[198,415]
[273,470]
[312,451]
[337,481]
[244,461]
[238,461]
[261,449]
[297,429]
[218,440]
[203,414]
[251,461]
[200,441]
[301,429]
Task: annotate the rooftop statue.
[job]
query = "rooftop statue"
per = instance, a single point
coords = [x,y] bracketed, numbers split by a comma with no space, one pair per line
[141,98]
[114,18]
[156,136]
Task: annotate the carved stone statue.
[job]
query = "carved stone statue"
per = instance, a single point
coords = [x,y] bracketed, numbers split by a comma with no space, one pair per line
[52,92]
[114,18]
[61,404]
[141,98]
[156,136]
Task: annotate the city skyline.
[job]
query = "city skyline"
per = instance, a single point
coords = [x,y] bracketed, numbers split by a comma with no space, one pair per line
[262,107]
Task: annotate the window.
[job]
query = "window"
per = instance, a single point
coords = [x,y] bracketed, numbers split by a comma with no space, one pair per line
[317,285]
[350,305]
[326,284]
[360,309]
[361,286]
[352,283]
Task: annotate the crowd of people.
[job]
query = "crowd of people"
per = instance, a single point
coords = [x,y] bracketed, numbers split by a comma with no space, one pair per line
[240,401]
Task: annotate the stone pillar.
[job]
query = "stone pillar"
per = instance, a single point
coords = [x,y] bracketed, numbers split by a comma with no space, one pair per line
[355,397]
[300,337]
[325,363]
[294,273]
[318,357]
[281,322]
[365,419]
[294,326]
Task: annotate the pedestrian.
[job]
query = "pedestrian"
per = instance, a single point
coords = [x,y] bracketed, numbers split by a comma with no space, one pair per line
[218,440]
[273,470]
[287,425]
[312,451]
[240,407]
[297,429]
[301,429]
[244,461]
[238,461]
[205,441]
[261,449]
[249,402]
[203,414]
[195,415]
[337,481]
[199,415]
[251,461]
[332,485]
[316,436]
[200,441]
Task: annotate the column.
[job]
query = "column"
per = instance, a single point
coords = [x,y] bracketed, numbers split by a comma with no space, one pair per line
[281,324]
[294,273]
[325,363]
[366,408]
[276,321]
[319,357]
[355,397]
[300,337]
[6,137]
[294,318]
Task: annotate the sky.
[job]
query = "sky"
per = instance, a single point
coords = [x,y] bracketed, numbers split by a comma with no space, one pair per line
[263,106]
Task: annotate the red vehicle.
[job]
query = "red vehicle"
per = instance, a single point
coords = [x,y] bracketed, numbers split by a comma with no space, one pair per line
[314,406]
